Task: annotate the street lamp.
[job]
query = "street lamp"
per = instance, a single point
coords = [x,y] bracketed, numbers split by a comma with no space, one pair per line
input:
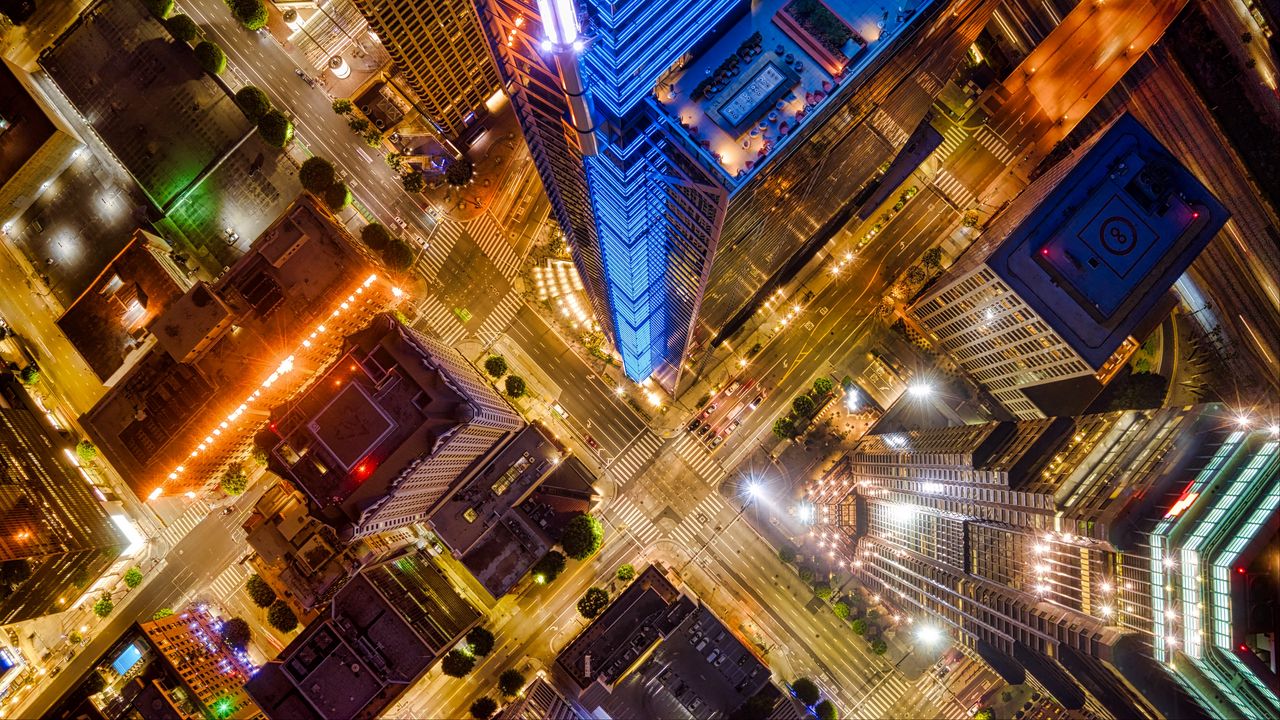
[920,390]
[754,490]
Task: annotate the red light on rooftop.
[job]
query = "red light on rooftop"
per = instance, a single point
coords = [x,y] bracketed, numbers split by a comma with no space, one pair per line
[1240,570]
[1195,215]
[1044,252]
[364,469]
[1244,648]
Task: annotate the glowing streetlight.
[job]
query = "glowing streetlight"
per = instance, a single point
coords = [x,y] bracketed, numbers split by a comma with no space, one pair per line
[929,634]
[920,390]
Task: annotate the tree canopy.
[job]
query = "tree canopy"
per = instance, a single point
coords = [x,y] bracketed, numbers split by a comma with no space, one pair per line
[457,664]
[234,481]
[459,172]
[806,691]
[183,28]
[342,106]
[337,196]
[235,633]
[626,572]
[275,128]
[281,617]
[516,387]
[253,102]
[480,640]
[413,181]
[784,428]
[495,365]
[825,710]
[103,606]
[483,708]
[133,578]
[859,626]
[252,14]
[823,385]
[593,602]
[548,567]
[317,175]
[582,537]
[787,554]
[210,57]
[260,592]
[159,8]
[803,405]
[29,375]
[86,451]
[376,236]
[510,682]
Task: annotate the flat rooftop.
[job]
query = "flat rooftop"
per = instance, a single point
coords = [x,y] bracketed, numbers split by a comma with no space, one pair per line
[743,98]
[24,127]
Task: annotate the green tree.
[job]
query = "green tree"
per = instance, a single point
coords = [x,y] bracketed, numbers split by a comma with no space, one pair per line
[784,427]
[75,637]
[93,684]
[803,405]
[915,275]
[457,664]
[159,8]
[879,647]
[826,711]
[259,456]
[162,613]
[103,606]
[253,102]
[133,578]
[582,537]
[183,28]
[626,572]
[932,258]
[841,609]
[234,481]
[822,386]
[210,57]
[29,375]
[1138,391]
[413,182]
[483,708]
[337,197]
[281,617]
[398,255]
[787,554]
[806,573]
[757,707]
[86,451]
[822,589]
[984,714]
[593,602]
[480,641]
[548,568]
[859,626]
[342,106]
[235,633]
[459,172]
[495,365]
[317,175]
[515,386]
[373,138]
[252,14]
[805,691]
[511,682]
[275,128]
[358,124]
[260,592]
[376,236]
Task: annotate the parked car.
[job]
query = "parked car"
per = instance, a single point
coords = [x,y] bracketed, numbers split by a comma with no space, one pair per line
[715,441]
[756,403]
[733,388]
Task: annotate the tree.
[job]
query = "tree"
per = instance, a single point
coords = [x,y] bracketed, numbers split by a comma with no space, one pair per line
[803,405]
[480,640]
[376,236]
[582,537]
[398,255]
[133,578]
[281,617]
[86,451]
[859,626]
[413,182]
[822,386]
[103,606]
[626,572]
[879,647]
[822,589]
[234,481]
[932,258]
[826,711]
[511,682]
[275,128]
[806,574]
[252,14]
[75,637]
[784,427]
[358,124]
[1140,390]
[459,172]
[915,275]
[548,568]
[593,602]
[183,28]
[984,714]
[841,609]
[805,691]
[515,386]
[253,102]
[787,554]
[159,8]
[317,175]
[757,707]
[483,708]
[260,592]
[210,57]
[29,375]
[235,633]
[373,138]
[162,613]
[342,106]
[93,684]
[337,197]
[495,365]
[457,664]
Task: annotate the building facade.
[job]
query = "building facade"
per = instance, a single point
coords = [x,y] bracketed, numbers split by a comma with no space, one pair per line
[215,674]
[441,51]
[388,430]
[55,537]
[1104,558]
[670,134]
[1043,308]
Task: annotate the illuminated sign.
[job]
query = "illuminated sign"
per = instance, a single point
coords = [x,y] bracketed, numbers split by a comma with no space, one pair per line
[1183,503]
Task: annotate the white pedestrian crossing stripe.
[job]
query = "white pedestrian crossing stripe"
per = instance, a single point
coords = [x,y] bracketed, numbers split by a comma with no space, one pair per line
[228,582]
[632,460]
[441,319]
[889,128]
[500,318]
[953,189]
[635,521]
[178,529]
[952,138]
[491,239]
[691,449]
[884,697]
[441,242]
[994,144]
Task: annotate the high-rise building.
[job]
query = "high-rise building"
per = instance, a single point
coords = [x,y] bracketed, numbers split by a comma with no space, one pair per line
[670,132]
[55,537]
[438,46]
[215,673]
[1043,309]
[539,700]
[388,430]
[381,633]
[1123,562]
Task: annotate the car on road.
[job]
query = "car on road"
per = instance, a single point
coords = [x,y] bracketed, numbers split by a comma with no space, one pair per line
[696,422]
[756,403]
[733,426]
[715,441]
[733,388]
[592,442]
[711,408]
[704,429]
[560,410]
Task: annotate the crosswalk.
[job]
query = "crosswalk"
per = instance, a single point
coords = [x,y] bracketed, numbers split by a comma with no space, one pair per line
[953,189]
[689,448]
[881,700]
[441,319]
[889,128]
[443,238]
[952,138]
[928,82]
[178,529]
[501,316]
[632,460]
[635,521]
[697,523]
[490,238]
[228,582]
[994,145]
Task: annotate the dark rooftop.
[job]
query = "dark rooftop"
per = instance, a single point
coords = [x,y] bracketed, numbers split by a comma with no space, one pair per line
[24,127]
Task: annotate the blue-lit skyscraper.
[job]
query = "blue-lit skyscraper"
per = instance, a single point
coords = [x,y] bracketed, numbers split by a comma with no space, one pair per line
[664,128]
